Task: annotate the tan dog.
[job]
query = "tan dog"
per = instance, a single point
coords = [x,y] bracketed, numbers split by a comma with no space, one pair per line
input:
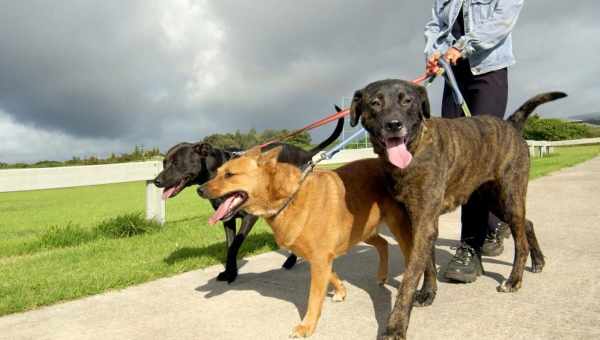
[319,217]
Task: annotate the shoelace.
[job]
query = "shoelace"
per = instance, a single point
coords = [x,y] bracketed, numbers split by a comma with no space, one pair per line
[463,254]
[493,236]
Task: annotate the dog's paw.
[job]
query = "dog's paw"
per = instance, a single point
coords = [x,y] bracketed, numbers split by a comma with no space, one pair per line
[392,337]
[508,287]
[339,296]
[537,268]
[228,276]
[302,331]
[424,298]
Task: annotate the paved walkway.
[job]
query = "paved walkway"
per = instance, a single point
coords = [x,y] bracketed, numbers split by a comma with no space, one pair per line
[266,301]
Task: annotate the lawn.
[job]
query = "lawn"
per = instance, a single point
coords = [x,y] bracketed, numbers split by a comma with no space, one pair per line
[36,269]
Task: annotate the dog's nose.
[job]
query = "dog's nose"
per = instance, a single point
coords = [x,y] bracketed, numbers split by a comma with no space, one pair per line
[158,182]
[393,125]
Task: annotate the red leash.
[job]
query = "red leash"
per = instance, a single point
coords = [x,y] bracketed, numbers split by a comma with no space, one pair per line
[327,119]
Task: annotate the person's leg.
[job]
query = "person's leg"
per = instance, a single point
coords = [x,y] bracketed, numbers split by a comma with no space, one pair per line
[484,94]
[465,266]
[488,94]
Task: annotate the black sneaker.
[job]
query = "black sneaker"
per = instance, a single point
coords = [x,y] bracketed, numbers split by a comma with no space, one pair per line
[493,244]
[465,266]
[494,241]
[503,230]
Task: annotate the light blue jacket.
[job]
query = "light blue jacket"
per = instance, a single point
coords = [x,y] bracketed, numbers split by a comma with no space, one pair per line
[487,42]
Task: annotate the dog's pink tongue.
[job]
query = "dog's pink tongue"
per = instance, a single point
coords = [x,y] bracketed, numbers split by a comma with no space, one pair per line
[398,154]
[168,192]
[222,210]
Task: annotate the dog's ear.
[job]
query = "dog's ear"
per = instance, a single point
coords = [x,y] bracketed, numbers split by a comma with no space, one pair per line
[270,157]
[253,153]
[425,109]
[356,108]
[203,149]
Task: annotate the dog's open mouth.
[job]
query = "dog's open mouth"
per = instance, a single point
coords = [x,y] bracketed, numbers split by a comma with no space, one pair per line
[397,151]
[170,192]
[231,204]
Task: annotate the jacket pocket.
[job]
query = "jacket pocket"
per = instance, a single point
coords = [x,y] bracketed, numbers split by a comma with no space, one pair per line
[482,10]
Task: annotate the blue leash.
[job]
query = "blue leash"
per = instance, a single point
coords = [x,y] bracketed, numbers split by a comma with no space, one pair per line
[449,75]
[329,154]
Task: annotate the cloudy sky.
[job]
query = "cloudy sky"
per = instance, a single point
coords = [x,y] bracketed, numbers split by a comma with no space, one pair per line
[92,77]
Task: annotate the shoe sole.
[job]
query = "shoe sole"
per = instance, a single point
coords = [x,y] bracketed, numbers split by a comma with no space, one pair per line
[462,277]
[465,278]
[498,251]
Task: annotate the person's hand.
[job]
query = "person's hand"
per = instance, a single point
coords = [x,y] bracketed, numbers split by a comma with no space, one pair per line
[452,55]
[432,63]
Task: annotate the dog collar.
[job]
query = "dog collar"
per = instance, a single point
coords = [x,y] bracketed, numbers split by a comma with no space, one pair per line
[307,170]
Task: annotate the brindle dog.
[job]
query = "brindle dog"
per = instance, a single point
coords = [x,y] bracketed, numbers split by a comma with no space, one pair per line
[434,165]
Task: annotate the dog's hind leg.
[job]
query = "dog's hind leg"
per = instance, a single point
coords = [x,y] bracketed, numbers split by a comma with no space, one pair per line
[340,290]
[290,261]
[230,272]
[512,204]
[382,249]
[537,257]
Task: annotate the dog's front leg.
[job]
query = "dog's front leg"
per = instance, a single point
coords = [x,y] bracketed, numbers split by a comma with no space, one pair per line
[426,295]
[230,272]
[320,275]
[425,232]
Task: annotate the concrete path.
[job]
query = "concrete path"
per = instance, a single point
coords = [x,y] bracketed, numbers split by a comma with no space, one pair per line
[266,301]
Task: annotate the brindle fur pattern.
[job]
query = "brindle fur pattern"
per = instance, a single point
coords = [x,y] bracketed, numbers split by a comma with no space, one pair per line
[452,159]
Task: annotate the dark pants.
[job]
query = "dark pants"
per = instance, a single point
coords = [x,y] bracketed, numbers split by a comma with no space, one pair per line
[484,94]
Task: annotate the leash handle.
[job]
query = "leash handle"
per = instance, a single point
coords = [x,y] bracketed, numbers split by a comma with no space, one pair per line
[451,80]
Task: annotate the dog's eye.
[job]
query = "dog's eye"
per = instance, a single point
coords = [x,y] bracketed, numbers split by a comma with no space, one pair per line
[405,101]
[228,175]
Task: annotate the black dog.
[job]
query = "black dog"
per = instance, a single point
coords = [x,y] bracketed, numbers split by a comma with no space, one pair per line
[435,165]
[187,164]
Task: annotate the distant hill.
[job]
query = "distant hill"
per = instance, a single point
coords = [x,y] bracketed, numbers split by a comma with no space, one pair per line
[590,118]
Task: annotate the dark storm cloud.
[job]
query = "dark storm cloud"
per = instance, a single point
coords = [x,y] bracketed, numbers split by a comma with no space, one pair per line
[157,73]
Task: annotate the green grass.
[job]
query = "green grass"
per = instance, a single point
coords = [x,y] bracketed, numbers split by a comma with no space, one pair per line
[63,244]
[562,157]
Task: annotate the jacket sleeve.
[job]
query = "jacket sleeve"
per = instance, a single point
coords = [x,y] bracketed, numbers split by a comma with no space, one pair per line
[432,31]
[487,35]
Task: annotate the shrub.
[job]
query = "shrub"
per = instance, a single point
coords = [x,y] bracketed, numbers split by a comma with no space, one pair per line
[538,128]
[65,236]
[126,226]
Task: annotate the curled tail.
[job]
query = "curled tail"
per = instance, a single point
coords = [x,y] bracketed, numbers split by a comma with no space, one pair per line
[336,133]
[520,116]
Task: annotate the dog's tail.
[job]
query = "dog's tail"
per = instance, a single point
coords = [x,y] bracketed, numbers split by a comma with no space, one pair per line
[334,136]
[520,116]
